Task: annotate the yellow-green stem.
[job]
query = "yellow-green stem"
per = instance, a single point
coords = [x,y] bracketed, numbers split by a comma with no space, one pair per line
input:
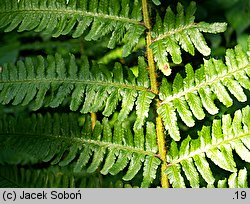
[162,150]
[154,88]
[93,120]
[151,65]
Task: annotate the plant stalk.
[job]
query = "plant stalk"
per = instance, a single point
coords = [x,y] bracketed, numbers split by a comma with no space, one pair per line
[93,120]
[154,88]
[162,150]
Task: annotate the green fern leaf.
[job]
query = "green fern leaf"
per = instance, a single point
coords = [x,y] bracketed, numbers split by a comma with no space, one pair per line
[214,80]
[240,181]
[83,159]
[74,17]
[134,167]
[149,170]
[217,145]
[175,176]
[180,31]
[142,107]
[50,81]
[156,2]
[122,161]
[97,159]
[63,144]
[235,180]
[151,163]
[110,161]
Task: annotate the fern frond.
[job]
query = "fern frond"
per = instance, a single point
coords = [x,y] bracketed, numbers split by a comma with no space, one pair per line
[214,80]
[121,19]
[58,139]
[49,81]
[216,143]
[180,31]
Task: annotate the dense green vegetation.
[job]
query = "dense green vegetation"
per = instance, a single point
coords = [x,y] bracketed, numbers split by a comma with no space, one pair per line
[124,93]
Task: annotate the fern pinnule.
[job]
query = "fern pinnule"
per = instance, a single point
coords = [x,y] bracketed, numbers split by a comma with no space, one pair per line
[156,2]
[235,180]
[214,80]
[216,143]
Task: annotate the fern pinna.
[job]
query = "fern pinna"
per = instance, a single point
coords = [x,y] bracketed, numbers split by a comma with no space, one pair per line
[117,145]
[48,82]
[63,17]
[68,120]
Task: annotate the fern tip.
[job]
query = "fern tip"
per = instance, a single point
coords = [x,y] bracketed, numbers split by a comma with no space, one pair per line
[165,68]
